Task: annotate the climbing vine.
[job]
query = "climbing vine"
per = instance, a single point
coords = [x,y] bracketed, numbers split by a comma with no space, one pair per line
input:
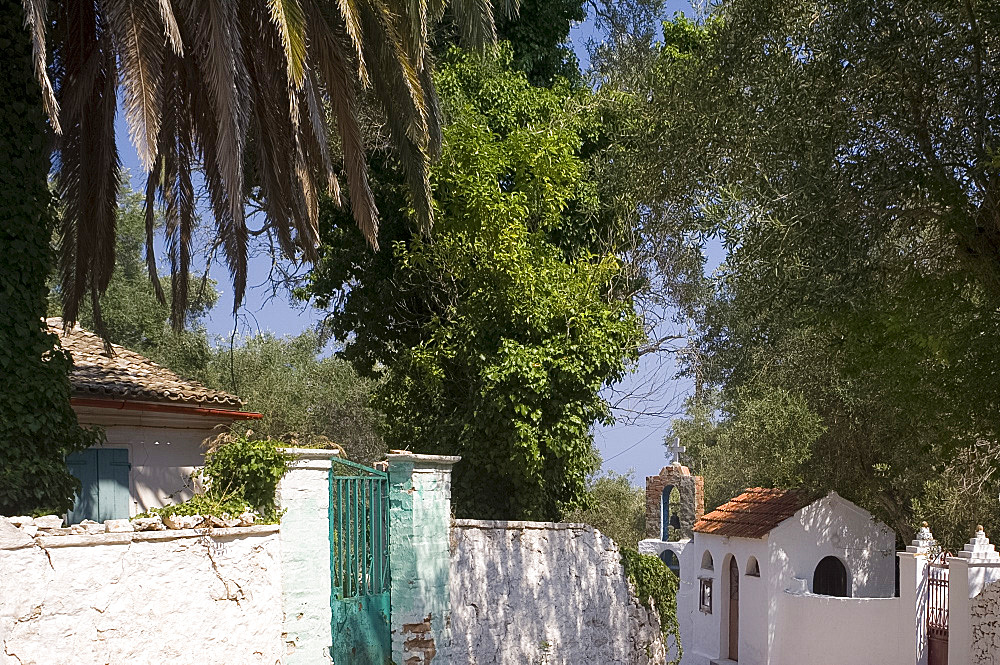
[656,587]
[37,425]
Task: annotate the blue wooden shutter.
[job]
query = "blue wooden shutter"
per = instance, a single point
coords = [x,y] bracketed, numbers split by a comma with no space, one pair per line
[103,474]
[112,474]
[83,465]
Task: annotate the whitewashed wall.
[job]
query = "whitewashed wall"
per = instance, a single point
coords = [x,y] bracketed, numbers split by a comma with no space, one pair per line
[164,597]
[985,613]
[822,630]
[539,592]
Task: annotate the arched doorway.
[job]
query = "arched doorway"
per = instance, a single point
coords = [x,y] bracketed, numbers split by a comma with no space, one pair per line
[830,578]
[673,563]
[733,640]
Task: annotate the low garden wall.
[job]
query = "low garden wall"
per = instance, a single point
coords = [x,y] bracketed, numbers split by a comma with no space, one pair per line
[210,596]
[540,592]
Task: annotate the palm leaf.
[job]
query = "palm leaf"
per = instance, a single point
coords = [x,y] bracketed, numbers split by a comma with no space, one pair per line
[36,21]
[287,17]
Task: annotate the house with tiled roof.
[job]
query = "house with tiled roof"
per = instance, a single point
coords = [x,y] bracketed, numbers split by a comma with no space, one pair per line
[750,552]
[155,423]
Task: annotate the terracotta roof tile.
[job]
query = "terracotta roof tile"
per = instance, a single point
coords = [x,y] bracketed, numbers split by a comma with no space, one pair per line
[129,375]
[754,513]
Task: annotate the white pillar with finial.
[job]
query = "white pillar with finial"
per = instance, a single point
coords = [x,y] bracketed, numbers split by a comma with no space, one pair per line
[977,565]
[913,573]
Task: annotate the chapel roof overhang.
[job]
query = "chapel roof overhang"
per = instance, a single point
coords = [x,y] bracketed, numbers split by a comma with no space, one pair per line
[754,513]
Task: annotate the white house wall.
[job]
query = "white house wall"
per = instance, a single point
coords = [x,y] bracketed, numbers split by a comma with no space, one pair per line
[164,450]
[708,638]
[834,527]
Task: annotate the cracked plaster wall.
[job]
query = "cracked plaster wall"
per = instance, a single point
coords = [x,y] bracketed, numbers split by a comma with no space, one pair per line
[170,598]
[537,592]
[985,612]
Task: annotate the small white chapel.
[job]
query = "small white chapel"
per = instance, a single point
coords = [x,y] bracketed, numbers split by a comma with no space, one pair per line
[789,577]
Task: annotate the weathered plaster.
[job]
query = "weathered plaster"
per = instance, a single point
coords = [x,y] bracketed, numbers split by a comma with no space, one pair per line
[530,592]
[304,496]
[419,522]
[165,597]
[985,613]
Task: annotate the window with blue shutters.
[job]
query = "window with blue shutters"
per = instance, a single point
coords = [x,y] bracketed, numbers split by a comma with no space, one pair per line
[103,474]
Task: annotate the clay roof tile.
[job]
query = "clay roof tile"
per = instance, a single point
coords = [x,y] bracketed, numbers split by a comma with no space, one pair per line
[755,513]
[128,375]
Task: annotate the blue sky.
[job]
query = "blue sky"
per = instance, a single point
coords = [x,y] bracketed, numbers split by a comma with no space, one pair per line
[650,396]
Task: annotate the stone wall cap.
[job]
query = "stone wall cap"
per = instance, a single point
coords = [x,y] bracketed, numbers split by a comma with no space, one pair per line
[312,453]
[518,524]
[85,540]
[402,456]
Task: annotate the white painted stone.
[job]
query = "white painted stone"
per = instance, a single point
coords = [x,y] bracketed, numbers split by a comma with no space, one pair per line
[534,593]
[118,526]
[153,523]
[30,529]
[985,612]
[48,521]
[248,518]
[168,597]
[183,521]
[21,520]
[11,537]
[90,526]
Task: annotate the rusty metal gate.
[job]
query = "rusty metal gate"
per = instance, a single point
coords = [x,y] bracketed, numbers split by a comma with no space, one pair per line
[937,612]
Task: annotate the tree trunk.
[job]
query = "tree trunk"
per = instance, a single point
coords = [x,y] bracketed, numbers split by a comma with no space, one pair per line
[37,425]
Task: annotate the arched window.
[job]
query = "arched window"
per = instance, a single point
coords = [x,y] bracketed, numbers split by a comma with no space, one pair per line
[706,561]
[753,570]
[670,500]
[668,557]
[830,578]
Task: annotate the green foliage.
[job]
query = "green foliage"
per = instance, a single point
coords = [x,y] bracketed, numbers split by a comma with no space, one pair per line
[37,426]
[495,333]
[244,471]
[654,581]
[841,153]
[614,507]
[306,399]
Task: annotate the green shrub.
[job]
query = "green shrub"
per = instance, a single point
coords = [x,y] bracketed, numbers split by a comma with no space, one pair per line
[242,469]
[653,580]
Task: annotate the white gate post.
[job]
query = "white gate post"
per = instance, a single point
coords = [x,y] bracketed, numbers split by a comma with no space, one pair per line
[913,595]
[304,496]
[970,571]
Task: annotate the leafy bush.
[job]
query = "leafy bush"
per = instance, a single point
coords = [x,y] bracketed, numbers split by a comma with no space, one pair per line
[243,470]
[653,580]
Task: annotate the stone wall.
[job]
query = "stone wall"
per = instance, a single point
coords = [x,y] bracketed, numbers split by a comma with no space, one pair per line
[539,592]
[985,612]
[691,490]
[210,596]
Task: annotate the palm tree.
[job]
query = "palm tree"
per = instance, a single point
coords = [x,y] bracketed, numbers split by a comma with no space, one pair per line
[243,92]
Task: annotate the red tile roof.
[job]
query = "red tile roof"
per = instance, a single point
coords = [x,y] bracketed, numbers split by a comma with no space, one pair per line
[129,375]
[754,513]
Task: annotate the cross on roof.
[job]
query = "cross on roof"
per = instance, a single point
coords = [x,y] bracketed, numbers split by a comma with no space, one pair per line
[675,449]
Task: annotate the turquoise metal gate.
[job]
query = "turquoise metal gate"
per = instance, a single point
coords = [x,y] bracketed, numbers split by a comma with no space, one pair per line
[359,523]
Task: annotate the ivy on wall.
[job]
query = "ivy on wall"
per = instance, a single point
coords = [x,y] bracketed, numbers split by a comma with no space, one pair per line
[37,425]
[655,582]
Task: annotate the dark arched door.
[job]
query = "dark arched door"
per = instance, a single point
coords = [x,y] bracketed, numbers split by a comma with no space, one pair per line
[830,578]
[734,610]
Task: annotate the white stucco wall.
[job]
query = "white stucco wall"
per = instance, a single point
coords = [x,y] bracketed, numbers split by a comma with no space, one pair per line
[707,637]
[985,614]
[822,630]
[164,597]
[164,449]
[836,527]
[534,592]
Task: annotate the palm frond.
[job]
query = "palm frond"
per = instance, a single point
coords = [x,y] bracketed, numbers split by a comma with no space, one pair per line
[475,22]
[87,166]
[288,18]
[36,21]
[173,31]
[138,32]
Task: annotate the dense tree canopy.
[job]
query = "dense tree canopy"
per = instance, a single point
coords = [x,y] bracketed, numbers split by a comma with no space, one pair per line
[496,332]
[844,153]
